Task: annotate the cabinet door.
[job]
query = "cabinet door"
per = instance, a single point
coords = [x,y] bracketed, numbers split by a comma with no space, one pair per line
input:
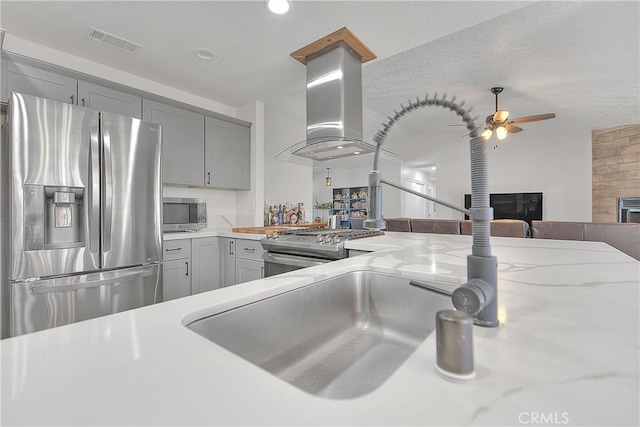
[249,249]
[111,100]
[227,261]
[176,279]
[248,270]
[205,254]
[36,82]
[227,155]
[182,142]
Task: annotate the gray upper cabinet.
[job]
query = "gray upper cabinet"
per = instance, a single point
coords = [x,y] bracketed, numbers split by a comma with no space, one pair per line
[111,100]
[182,142]
[29,80]
[227,155]
[187,135]
[36,82]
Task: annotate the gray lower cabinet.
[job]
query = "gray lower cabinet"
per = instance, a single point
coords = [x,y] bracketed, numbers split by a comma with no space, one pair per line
[204,264]
[182,142]
[240,261]
[248,270]
[249,262]
[206,271]
[227,153]
[176,282]
[33,81]
[227,261]
[105,99]
[176,269]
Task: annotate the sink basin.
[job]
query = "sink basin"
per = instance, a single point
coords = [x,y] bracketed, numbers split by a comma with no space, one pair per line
[339,338]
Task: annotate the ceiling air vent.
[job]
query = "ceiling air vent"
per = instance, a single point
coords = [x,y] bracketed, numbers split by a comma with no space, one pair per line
[112,40]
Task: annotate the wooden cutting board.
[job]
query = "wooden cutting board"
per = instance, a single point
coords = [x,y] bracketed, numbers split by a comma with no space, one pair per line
[265,230]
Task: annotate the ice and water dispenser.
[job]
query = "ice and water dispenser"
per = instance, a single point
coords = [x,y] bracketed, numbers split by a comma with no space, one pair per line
[53,217]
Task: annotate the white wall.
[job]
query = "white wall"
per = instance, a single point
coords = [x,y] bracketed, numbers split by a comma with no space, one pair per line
[354,172]
[225,208]
[285,125]
[249,203]
[423,182]
[553,160]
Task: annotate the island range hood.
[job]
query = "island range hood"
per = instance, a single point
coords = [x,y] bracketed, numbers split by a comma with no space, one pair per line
[334,97]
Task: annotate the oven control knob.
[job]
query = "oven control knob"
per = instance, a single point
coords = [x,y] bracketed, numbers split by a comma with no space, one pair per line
[274,235]
[269,236]
[337,239]
[327,239]
[320,239]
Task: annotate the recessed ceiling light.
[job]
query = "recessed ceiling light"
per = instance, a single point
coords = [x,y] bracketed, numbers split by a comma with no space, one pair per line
[278,7]
[356,152]
[205,54]
[339,147]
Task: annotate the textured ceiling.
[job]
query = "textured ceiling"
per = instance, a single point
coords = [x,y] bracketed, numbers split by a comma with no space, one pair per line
[253,45]
[579,59]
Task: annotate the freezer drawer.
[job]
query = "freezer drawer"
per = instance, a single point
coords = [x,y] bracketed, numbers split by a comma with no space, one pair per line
[44,304]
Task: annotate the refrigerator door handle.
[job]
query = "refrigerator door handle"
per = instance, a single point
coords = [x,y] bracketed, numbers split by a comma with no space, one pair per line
[89,283]
[94,188]
[107,192]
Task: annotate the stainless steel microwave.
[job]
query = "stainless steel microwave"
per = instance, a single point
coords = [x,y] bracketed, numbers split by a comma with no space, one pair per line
[184,214]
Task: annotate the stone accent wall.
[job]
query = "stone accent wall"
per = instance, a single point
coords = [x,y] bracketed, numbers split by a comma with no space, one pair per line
[616,169]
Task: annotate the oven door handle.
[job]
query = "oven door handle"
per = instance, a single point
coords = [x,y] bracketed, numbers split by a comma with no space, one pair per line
[292,260]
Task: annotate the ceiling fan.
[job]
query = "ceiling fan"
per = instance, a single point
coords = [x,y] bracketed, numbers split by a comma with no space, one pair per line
[500,123]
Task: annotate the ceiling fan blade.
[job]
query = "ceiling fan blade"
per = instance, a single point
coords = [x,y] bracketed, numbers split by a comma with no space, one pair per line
[512,128]
[500,116]
[536,118]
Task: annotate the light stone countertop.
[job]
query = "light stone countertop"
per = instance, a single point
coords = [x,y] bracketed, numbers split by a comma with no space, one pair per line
[211,232]
[567,351]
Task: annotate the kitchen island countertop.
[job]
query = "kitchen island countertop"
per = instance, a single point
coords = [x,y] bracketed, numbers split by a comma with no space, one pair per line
[567,351]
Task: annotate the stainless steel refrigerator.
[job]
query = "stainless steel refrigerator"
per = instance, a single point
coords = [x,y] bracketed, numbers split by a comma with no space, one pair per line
[85,217]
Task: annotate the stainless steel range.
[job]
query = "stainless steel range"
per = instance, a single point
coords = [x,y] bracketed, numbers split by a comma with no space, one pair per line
[296,249]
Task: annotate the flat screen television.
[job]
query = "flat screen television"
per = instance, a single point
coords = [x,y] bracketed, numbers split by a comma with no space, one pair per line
[524,206]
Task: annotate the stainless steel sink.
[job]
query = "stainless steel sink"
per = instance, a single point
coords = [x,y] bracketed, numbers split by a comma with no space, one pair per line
[339,338]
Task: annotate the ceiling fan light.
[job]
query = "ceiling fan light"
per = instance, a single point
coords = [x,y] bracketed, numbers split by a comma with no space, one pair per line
[501,132]
[500,116]
[487,133]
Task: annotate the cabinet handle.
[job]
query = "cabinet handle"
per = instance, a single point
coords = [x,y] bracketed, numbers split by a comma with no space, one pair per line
[83,102]
[230,248]
[249,249]
[208,177]
[73,99]
[187,264]
[262,272]
[174,249]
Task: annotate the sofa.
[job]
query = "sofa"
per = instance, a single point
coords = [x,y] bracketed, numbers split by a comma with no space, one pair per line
[624,237]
